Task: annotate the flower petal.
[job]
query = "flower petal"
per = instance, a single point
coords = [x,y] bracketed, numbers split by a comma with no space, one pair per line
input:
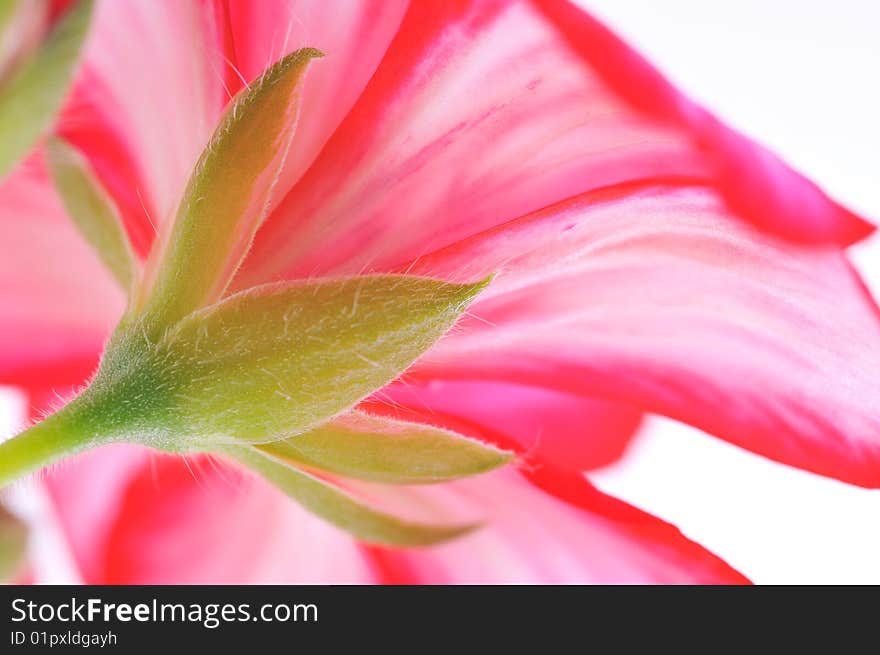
[87,493]
[225,529]
[148,98]
[125,510]
[657,296]
[481,112]
[57,302]
[353,34]
[566,429]
[478,113]
[575,534]
[189,58]
[344,510]
[756,183]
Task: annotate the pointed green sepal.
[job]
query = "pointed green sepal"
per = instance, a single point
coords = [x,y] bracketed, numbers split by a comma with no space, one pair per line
[365,447]
[32,95]
[228,194]
[342,510]
[270,362]
[93,211]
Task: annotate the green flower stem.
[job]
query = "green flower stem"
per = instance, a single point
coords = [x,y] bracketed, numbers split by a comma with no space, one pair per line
[41,445]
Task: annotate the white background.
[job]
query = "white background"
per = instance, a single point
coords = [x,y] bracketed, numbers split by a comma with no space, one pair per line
[804,78]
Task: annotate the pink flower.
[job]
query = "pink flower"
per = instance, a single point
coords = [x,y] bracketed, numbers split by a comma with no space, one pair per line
[649,259]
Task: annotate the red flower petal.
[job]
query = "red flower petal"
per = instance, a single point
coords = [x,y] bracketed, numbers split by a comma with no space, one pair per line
[143,138]
[477,114]
[148,98]
[559,427]
[57,302]
[482,112]
[573,534]
[660,298]
[756,183]
[354,35]
[133,517]
[136,517]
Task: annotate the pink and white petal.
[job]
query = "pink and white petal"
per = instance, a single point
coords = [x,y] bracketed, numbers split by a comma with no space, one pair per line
[137,517]
[353,35]
[478,113]
[88,124]
[148,98]
[659,297]
[482,112]
[189,58]
[573,534]
[756,183]
[57,302]
[543,532]
[562,428]
[86,493]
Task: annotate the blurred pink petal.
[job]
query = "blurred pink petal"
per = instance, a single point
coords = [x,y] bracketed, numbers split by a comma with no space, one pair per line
[57,302]
[135,517]
[86,491]
[149,95]
[572,534]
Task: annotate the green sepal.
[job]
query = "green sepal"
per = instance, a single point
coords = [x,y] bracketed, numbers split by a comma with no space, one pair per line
[364,447]
[32,95]
[93,211]
[267,363]
[227,196]
[342,510]
[21,26]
